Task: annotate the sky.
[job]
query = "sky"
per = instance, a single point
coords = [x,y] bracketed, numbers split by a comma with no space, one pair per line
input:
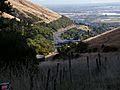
[57,2]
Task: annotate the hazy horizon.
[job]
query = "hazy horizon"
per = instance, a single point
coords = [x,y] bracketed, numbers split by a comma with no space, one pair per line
[69,2]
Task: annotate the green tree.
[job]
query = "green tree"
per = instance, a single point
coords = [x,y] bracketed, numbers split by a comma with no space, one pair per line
[13,44]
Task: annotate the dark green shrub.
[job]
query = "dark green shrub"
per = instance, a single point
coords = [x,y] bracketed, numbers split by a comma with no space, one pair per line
[81,47]
[110,49]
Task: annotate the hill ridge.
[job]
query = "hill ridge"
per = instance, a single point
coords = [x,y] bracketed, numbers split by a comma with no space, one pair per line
[111,38]
[27,9]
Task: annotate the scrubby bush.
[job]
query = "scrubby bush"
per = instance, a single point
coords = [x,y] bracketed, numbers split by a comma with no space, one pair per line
[60,23]
[81,47]
[93,49]
[110,49]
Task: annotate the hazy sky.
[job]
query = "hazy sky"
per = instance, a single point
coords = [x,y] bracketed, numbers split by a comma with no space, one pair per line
[50,2]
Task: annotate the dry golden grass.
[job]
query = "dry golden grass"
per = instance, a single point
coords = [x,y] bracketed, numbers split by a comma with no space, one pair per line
[84,27]
[24,7]
[5,15]
[107,77]
[111,38]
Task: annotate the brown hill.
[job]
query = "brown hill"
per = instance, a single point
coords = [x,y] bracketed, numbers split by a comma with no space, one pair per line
[24,9]
[110,38]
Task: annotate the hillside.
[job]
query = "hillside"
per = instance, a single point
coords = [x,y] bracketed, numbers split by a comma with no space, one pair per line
[6,15]
[78,32]
[25,9]
[84,27]
[34,23]
[111,38]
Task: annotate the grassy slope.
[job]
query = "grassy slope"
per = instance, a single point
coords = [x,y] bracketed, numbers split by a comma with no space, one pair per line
[39,36]
[111,38]
[23,7]
[107,78]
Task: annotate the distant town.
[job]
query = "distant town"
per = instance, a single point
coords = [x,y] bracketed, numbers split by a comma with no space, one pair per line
[91,14]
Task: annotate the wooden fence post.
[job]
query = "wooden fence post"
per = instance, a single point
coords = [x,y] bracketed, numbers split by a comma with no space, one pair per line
[105,63]
[60,76]
[88,63]
[99,58]
[70,71]
[63,75]
[55,84]
[48,77]
[57,70]
[88,67]
[97,64]
[31,82]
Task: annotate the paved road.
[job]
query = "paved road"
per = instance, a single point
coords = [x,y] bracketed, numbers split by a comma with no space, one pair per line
[58,40]
[57,34]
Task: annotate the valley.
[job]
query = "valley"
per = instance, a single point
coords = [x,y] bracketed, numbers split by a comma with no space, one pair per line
[65,47]
[99,18]
[90,13]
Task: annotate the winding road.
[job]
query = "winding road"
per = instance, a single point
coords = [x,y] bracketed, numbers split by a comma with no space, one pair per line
[56,36]
[58,40]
